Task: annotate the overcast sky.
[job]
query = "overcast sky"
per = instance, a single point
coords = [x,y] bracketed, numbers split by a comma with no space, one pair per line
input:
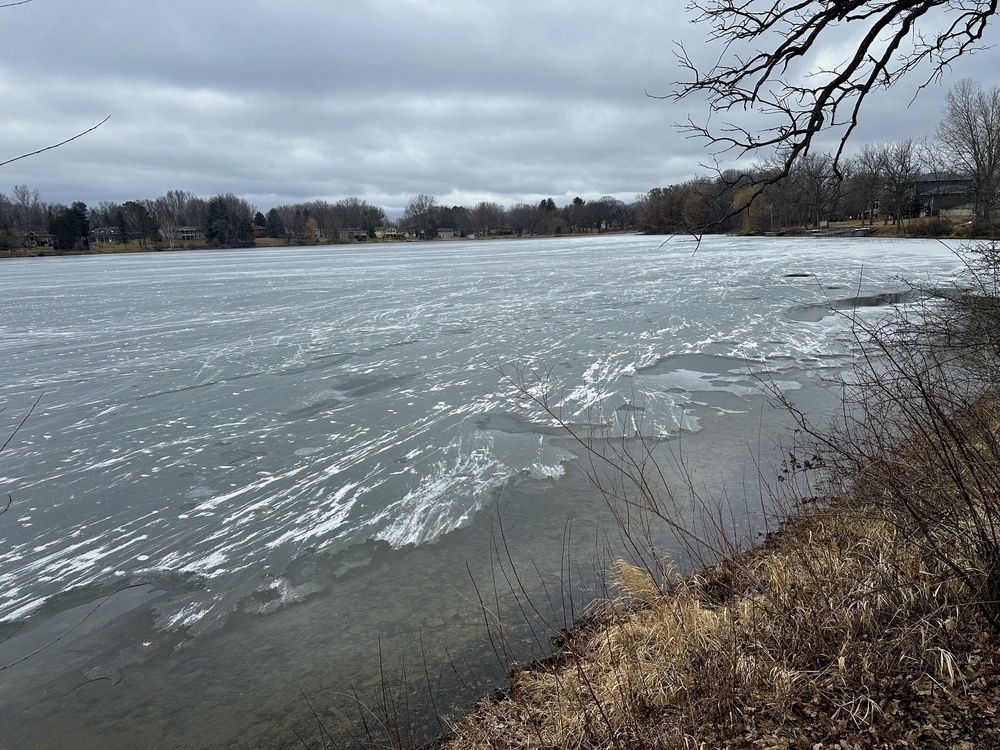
[466,100]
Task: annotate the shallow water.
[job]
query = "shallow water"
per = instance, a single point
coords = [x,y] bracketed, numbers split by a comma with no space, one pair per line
[248,471]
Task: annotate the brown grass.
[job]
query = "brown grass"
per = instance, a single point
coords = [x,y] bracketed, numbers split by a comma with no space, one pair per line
[859,637]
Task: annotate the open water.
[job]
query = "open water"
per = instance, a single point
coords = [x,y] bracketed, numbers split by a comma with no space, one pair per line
[249,473]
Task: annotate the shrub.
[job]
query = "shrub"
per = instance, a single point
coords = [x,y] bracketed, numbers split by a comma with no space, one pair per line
[935,226]
[919,442]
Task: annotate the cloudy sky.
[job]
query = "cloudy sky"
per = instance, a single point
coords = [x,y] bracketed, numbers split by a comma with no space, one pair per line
[465,100]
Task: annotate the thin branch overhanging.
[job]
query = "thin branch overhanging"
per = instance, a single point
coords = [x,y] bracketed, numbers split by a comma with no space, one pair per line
[56,145]
[892,44]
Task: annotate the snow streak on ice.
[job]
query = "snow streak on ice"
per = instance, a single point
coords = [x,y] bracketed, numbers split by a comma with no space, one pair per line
[208,416]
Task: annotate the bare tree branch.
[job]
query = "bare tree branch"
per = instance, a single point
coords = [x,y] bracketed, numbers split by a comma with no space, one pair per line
[769,63]
[55,145]
[21,424]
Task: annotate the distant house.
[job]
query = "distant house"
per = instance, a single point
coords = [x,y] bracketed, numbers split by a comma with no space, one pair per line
[189,234]
[943,191]
[353,235]
[37,239]
[447,233]
[388,233]
[259,231]
[105,234]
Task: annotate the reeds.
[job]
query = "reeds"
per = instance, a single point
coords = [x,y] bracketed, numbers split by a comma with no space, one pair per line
[856,635]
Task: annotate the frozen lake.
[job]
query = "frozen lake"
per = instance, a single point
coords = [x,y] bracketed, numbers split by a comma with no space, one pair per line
[248,470]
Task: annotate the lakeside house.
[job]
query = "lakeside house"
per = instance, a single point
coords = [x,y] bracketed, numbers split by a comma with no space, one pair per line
[938,194]
[189,234]
[353,235]
[37,239]
[104,235]
[943,192]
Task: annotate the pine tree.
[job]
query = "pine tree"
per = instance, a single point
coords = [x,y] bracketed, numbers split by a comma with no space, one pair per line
[275,227]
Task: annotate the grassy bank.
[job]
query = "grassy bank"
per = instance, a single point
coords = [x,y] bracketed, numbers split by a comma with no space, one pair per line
[870,620]
[848,635]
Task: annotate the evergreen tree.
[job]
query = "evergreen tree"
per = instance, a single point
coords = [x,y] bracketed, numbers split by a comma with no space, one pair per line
[122,238]
[70,227]
[275,226]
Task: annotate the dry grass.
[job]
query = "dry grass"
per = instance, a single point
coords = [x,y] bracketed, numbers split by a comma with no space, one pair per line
[859,637]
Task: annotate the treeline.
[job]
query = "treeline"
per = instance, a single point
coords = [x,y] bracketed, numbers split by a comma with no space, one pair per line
[959,168]
[885,183]
[178,217]
[955,171]
[423,217]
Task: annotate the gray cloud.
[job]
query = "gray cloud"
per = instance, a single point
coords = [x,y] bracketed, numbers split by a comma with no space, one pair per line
[376,98]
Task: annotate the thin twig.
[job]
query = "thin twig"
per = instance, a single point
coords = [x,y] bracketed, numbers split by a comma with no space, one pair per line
[19,426]
[55,640]
[54,145]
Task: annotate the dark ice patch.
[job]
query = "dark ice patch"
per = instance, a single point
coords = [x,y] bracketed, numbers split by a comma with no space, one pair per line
[816,312]
[512,425]
[313,410]
[366,385]
[324,362]
[707,363]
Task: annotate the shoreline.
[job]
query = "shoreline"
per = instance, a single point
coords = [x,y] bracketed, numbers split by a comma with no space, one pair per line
[807,661]
[884,232]
[115,249]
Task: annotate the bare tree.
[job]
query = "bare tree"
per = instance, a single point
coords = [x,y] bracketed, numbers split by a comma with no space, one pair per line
[418,213]
[138,220]
[768,60]
[755,210]
[487,216]
[326,216]
[902,168]
[293,220]
[29,211]
[969,135]
[352,212]
[869,176]
[821,185]
[524,217]
[169,211]
[360,214]
[607,213]
[781,194]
